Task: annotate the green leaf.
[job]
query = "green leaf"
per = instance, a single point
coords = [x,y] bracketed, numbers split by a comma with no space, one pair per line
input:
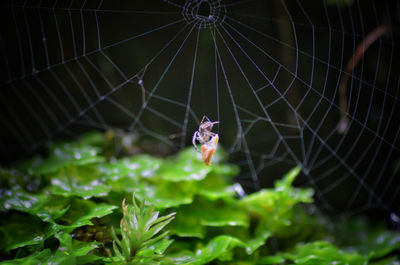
[74,248]
[215,213]
[69,252]
[186,225]
[157,248]
[62,155]
[321,252]
[82,211]
[33,259]
[28,165]
[189,166]
[381,244]
[133,168]
[286,182]
[256,242]
[272,260]
[215,187]
[21,230]
[48,208]
[129,174]
[225,170]
[275,206]
[79,181]
[375,244]
[283,197]
[165,194]
[185,168]
[218,248]
[94,138]
[13,179]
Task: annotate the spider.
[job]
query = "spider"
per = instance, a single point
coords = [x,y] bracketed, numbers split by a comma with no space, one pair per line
[207,139]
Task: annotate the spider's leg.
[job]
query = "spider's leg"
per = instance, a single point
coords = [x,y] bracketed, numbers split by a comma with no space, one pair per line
[195,135]
[210,134]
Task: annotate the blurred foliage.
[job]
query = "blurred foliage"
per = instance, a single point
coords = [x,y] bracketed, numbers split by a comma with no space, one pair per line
[62,208]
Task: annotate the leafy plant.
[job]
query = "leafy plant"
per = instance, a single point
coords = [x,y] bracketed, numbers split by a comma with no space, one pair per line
[139,226]
[318,252]
[62,207]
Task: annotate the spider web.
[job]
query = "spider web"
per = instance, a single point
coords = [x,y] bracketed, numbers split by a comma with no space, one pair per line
[269,71]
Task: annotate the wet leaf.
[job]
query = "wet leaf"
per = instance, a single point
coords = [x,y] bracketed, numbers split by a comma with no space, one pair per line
[130,174]
[374,241]
[283,196]
[158,248]
[141,166]
[272,260]
[165,194]
[189,166]
[70,250]
[215,186]
[82,211]
[218,248]
[286,182]
[48,208]
[256,242]
[187,226]
[184,170]
[215,213]
[275,206]
[79,181]
[321,252]
[62,155]
[13,179]
[381,243]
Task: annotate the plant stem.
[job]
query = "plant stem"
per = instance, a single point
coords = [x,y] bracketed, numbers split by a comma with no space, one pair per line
[379,31]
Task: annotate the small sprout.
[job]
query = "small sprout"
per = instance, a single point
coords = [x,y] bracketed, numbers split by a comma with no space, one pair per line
[140,227]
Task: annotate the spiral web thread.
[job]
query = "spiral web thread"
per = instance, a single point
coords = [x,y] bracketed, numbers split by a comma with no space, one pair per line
[269,71]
